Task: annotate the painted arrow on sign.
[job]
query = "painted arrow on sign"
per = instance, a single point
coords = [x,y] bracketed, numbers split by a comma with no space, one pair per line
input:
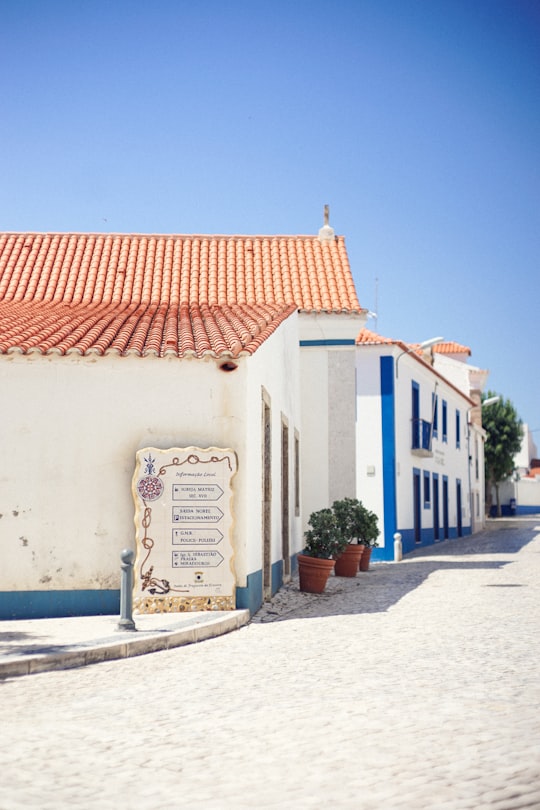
[197,492]
[196,537]
[196,559]
[196,514]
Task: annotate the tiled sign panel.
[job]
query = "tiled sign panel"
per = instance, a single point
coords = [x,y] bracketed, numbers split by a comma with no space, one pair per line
[183,519]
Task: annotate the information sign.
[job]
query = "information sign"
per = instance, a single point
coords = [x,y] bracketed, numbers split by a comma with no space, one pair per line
[184,519]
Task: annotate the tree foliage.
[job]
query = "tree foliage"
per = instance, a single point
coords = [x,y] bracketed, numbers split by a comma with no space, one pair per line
[503,440]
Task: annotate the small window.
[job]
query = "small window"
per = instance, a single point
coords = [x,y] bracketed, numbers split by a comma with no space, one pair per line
[427,490]
[444,421]
[435,406]
[458,429]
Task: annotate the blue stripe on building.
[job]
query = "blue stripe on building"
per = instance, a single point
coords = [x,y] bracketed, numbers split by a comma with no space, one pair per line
[333,342]
[388,458]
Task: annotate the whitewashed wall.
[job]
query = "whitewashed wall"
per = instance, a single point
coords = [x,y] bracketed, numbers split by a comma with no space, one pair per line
[274,366]
[369,464]
[327,393]
[447,458]
[70,429]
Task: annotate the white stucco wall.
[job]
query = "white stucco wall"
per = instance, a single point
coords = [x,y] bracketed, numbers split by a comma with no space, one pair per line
[274,366]
[70,429]
[328,425]
[314,442]
[369,462]
[446,459]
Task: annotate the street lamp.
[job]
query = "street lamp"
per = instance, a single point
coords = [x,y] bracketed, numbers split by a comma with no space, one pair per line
[426,344]
[490,401]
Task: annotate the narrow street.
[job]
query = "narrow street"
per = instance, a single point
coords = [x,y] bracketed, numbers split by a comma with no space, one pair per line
[415,685]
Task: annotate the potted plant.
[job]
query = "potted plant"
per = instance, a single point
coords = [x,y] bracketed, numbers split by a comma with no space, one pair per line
[359,526]
[324,542]
[349,514]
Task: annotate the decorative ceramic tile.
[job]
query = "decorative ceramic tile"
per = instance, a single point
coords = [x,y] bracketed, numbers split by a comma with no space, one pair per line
[184,519]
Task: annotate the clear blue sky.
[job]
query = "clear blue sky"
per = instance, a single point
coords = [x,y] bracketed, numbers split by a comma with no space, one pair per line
[417,121]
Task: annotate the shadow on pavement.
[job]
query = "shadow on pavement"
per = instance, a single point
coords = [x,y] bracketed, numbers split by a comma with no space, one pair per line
[381,587]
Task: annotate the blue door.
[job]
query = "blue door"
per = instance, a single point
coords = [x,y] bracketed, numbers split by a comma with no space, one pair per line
[445,507]
[436,518]
[417,496]
[458,507]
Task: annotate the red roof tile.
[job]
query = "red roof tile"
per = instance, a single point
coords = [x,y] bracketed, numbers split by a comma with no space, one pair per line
[142,329]
[451,348]
[367,337]
[155,294]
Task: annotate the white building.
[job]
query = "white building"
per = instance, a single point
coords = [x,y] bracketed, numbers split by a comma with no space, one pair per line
[520,494]
[419,450]
[113,343]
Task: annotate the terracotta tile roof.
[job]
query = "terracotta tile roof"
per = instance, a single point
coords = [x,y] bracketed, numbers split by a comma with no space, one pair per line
[143,329]
[154,294]
[451,348]
[367,337]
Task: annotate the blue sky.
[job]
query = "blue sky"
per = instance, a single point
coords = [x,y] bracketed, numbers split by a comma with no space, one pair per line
[417,121]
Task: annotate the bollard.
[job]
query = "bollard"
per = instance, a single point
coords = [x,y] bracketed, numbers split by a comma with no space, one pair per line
[126,591]
[398,548]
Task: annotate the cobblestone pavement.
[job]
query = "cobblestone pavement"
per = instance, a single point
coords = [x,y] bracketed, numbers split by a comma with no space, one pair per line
[415,685]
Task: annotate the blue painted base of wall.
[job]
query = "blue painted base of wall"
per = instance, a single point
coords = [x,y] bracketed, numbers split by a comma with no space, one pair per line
[58,604]
[408,543]
[251,597]
[507,511]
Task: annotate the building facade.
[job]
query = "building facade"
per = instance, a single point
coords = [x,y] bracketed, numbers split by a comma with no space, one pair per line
[113,343]
[418,461]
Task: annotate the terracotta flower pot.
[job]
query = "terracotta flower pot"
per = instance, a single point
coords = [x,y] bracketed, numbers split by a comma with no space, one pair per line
[348,562]
[313,573]
[365,558]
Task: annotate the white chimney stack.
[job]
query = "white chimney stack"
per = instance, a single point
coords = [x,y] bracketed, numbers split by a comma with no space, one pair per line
[326,233]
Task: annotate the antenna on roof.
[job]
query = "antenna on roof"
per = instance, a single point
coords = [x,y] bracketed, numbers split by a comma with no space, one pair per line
[326,233]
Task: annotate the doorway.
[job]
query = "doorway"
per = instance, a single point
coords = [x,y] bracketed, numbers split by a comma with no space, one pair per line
[436,516]
[445,507]
[267,496]
[417,501]
[458,507]
[285,538]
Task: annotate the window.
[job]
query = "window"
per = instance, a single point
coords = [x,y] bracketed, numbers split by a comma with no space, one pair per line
[458,429]
[435,408]
[444,421]
[415,415]
[427,491]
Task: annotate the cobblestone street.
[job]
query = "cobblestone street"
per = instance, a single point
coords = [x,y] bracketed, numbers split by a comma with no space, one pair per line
[415,685]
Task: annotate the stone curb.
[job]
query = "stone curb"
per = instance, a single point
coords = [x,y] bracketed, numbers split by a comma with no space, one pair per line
[126,646]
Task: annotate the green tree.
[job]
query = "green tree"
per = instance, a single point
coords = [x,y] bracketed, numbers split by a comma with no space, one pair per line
[503,440]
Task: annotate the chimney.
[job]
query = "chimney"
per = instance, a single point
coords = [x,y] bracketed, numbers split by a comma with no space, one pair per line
[326,233]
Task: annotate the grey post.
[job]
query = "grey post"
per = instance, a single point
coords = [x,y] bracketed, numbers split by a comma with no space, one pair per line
[126,591]
[398,548]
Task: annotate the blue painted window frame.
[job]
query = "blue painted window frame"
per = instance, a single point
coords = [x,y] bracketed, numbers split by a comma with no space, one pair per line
[458,428]
[427,490]
[444,420]
[435,408]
